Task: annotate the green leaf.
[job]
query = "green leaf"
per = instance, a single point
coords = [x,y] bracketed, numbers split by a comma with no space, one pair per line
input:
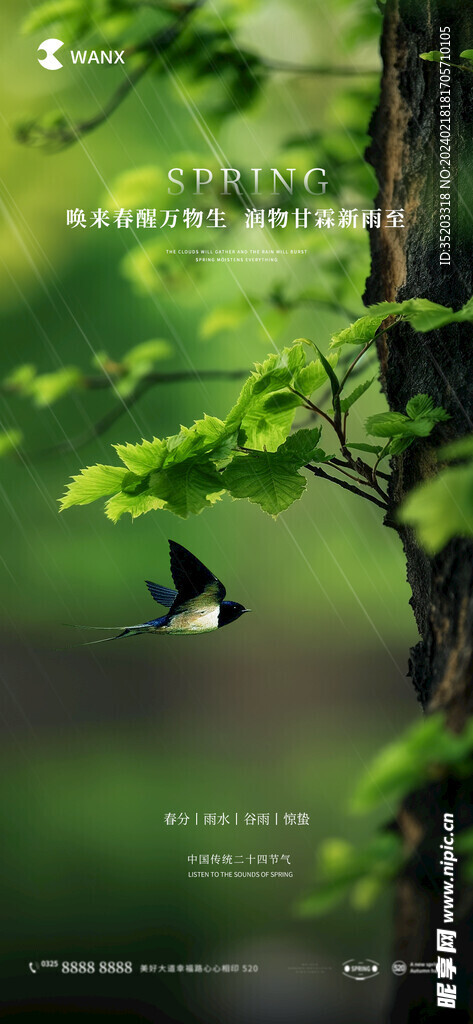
[314,375]
[245,401]
[465,313]
[147,353]
[421,427]
[92,483]
[21,378]
[346,403]
[188,487]
[10,440]
[300,446]
[135,364]
[47,388]
[421,753]
[432,55]
[266,479]
[142,458]
[399,445]
[419,422]
[442,508]
[468,54]
[207,436]
[374,448]
[422,407]
[424,315]
[270,479]
[135,504]
[327,366]
[265,409]
[294,357]
[388,424]
[268,422]
[359,333]
[419,405]
[133,484]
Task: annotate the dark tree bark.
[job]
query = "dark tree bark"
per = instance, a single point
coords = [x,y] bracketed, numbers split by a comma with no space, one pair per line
[405,263]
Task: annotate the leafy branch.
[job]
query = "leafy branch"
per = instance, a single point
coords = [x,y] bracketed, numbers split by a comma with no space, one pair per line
[130,378]
[255,453]
[148,381]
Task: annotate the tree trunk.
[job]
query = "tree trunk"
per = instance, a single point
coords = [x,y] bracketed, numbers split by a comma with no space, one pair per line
[405,263]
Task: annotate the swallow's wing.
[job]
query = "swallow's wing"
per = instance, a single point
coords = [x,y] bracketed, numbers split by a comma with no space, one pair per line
[197,587]
[163,595]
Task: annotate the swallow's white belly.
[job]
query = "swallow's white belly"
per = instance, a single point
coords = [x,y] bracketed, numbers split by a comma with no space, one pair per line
[193,622]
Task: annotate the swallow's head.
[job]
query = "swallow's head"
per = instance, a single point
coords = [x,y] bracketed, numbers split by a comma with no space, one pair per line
[229,611]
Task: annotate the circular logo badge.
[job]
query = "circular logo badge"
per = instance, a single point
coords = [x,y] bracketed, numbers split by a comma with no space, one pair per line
[399,967]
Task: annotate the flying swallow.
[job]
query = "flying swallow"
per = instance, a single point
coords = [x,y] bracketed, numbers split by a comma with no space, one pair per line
[196,606]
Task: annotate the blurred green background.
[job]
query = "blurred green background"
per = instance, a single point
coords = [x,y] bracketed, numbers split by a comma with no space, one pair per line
[279,713]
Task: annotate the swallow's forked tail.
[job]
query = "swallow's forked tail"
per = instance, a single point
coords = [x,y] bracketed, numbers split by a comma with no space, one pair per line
[105,639]
[126,631]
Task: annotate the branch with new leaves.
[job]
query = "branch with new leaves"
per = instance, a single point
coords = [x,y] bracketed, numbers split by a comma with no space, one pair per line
[256,454]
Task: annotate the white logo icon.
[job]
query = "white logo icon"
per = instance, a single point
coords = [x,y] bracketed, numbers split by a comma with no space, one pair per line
[50,62]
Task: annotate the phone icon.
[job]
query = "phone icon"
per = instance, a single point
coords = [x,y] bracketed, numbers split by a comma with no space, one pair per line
[32,968]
